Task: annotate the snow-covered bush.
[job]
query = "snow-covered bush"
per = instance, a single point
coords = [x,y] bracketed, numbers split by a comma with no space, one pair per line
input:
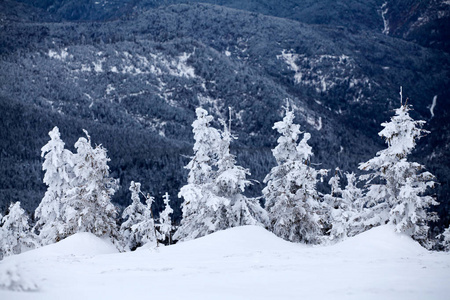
[445,239]
[16,236]
[292,201]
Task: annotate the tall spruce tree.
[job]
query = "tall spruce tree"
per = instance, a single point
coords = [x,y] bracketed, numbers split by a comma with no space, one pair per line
[58,167]
[203,211]
[292,200]
[89,207]
[398,198]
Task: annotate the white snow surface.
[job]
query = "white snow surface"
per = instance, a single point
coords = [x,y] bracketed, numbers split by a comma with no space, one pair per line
[240,263]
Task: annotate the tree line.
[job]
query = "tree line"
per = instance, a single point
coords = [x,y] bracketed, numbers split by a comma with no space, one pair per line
[392,191]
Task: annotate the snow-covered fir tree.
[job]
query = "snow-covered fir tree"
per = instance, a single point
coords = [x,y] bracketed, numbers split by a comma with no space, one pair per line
[145,230]
[89,207]
[399,198]
[445,236]
[134,214]
[58,167]
[206,149]
[165,221]
[353,197]
[203,211]
[334,197]
[344,205]
[336,217]
[291,197]
[16,235]
[230,183]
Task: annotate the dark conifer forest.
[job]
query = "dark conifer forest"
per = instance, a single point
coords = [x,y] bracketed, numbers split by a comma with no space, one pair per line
[132,73]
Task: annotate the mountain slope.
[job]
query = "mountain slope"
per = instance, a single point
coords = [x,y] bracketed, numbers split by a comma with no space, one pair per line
[425,22]
[134,83]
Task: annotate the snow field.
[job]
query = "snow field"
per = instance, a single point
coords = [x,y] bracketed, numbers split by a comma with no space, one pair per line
[240,263]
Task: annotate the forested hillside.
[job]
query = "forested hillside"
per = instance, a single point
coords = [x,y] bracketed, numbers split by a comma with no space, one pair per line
[133,72]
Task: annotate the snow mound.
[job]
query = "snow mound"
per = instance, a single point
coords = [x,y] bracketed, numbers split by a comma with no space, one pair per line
[250,238]
[82,243]
[381,240]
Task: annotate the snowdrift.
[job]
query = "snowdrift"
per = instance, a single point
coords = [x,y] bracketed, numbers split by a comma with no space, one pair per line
[240,263]
[79,244]
[381,240]
[244,238]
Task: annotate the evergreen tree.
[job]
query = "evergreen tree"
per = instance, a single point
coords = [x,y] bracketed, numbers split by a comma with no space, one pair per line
[89,207]
[165,221]
[16,234]
[203,211]
[58,167]
[445,236]
[291,197]
[353,197]
[399,198]
[145,229]
[206,147]
[230,183]
[333,199]
[333,202]
[134,214]
[344,207]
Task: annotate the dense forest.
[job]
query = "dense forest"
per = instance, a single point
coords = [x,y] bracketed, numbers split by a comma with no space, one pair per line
[132,73]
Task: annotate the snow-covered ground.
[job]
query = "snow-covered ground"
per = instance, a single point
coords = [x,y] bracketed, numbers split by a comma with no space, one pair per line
[240,263]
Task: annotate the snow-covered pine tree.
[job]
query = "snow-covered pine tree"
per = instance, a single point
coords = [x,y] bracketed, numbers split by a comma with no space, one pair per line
[145,229]
[165,221]
[335,217]
[291,197]
[58,167]
[333,199]
[345,207]
[353,198]
[230,183]
[399,197]
[89,207]
[445,236]
[203,211]
[135,213]
[16,234]
[206,149]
